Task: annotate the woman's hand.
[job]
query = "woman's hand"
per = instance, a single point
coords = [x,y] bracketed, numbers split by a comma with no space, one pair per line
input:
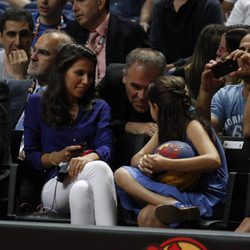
[152,163]
[67,153]
[76,166]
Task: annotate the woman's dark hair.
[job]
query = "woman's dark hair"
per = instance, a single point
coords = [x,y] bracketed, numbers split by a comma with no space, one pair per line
[205,50]
[168,92]
[55,101]
[233,38]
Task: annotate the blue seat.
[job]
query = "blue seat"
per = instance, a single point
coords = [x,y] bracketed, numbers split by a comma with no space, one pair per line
[4,5]
[31,7]
[68,6]
[1,12]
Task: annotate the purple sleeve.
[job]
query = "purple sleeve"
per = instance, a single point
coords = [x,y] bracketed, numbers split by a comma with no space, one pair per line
[32,141]
[103,139]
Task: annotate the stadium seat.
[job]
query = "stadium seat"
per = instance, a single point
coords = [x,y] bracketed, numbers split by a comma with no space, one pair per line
[31,7]
[4,5]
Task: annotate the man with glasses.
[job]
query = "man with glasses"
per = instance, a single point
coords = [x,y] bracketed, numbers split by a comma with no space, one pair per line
[41,60]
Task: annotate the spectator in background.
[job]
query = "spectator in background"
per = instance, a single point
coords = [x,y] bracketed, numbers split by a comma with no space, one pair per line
[146,14]
[238,100]
[215,41]
[109,36]
[136,10]
[49,15]
[230,40]
[176,26]
[227,107]
[227,6]
[205,50]
[16,34]
[129,9]
[41,59]
[240,13]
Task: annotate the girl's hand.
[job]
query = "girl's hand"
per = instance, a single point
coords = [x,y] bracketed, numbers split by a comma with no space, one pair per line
[76,166]
[152,163]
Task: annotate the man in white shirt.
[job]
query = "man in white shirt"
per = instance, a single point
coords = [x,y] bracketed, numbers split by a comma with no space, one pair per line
[240,13]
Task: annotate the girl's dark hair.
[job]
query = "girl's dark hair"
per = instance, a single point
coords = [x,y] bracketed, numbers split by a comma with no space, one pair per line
[168,92]
[55,101]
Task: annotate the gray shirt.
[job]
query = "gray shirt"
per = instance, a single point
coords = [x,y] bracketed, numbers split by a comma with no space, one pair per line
[3,73]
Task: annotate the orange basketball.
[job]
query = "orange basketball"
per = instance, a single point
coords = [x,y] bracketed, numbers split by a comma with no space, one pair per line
[177,150]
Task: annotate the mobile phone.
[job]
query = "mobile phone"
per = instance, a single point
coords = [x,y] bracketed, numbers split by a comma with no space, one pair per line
[224,68]
[83,145]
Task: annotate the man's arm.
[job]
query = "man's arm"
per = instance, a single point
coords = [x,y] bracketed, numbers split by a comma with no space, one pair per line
[227,6]
[208,87]
[246,119]
[146,128]
[146,14]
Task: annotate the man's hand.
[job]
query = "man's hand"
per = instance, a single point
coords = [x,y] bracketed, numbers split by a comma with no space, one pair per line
[209,83]
[147,128]
[19,62]
[243,59]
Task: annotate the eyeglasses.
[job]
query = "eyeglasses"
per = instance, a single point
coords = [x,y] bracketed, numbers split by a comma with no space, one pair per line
[222,49]
[41,52]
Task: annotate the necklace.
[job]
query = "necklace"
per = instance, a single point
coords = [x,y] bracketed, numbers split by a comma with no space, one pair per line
[37,25]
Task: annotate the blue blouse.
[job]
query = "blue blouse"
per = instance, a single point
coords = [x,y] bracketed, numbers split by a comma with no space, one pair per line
[92,127]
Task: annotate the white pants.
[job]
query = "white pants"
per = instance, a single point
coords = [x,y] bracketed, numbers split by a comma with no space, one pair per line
[91,199]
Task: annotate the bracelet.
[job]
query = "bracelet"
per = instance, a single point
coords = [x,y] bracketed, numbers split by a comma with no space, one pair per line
[51,159]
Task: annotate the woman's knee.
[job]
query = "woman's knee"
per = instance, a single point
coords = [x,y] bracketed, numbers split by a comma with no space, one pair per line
[98,168]
[79,189]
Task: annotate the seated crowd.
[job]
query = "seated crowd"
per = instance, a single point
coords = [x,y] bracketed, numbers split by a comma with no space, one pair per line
[77,86]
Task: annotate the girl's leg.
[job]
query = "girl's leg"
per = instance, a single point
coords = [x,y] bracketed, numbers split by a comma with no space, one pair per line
[100,176]
[147,218]
[82,204]
[139,193]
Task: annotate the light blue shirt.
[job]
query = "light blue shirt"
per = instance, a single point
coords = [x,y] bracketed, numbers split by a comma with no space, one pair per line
[228,106]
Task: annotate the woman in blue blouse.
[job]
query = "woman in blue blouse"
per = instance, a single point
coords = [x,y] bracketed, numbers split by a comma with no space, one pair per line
[55,126]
